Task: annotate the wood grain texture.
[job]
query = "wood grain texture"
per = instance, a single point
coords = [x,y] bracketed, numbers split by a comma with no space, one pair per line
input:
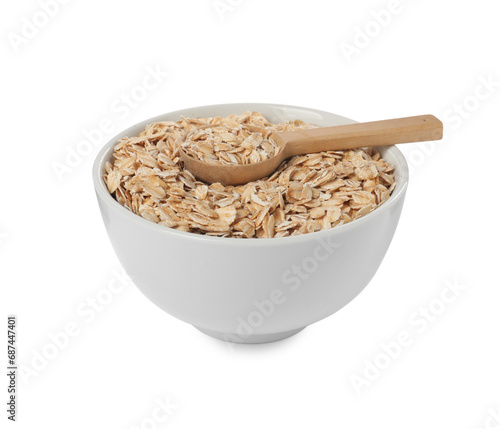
[367,134]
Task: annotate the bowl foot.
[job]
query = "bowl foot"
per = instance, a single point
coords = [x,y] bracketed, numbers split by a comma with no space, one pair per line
[250,339]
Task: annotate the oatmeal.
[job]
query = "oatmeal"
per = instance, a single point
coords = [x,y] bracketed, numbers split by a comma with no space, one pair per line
[305,194]
[237,139]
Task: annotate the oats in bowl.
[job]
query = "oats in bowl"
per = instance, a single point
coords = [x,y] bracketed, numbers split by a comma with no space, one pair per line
[215,283]
[305,194]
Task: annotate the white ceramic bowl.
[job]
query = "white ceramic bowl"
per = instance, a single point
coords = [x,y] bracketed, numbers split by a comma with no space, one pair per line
[250,290]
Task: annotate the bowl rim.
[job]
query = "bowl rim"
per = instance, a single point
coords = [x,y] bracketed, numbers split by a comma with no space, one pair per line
[106,198]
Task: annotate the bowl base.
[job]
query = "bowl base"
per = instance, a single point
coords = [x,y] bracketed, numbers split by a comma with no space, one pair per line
[250,339]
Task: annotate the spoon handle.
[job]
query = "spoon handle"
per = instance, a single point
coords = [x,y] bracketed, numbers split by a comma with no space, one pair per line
[367,134]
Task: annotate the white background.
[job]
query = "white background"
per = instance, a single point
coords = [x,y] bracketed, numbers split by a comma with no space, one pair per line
[63,78]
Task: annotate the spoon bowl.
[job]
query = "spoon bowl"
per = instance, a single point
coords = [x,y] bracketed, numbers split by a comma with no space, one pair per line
[230,174]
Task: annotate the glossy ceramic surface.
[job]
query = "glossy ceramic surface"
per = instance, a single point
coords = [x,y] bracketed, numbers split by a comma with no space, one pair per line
[250,290]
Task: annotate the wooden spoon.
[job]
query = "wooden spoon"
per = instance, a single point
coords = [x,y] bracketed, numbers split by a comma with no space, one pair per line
[300,142]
